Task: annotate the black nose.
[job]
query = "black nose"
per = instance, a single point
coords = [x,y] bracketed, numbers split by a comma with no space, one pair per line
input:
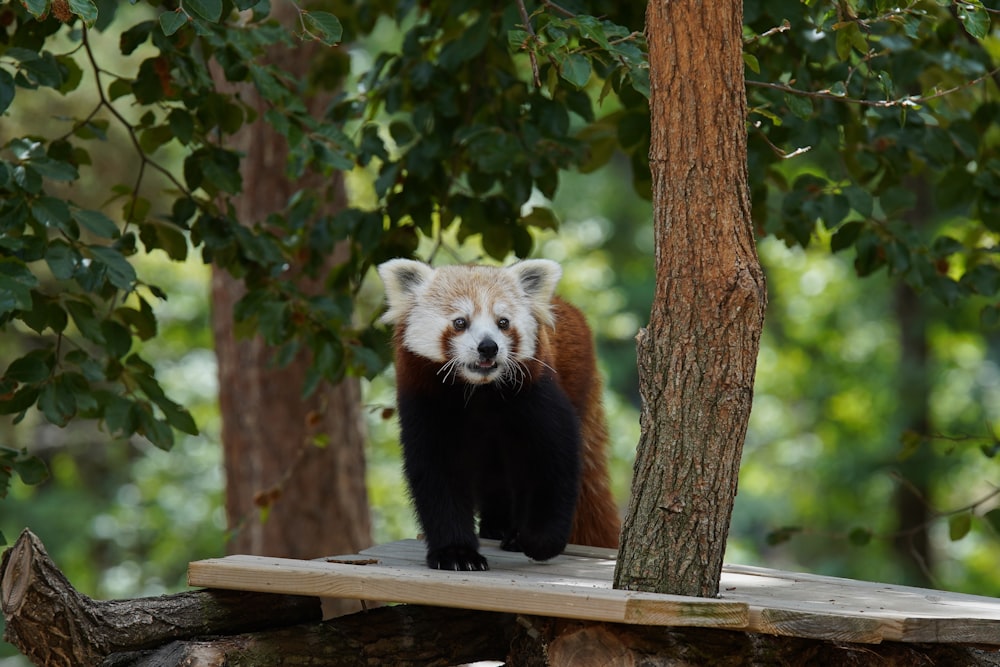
[488,348]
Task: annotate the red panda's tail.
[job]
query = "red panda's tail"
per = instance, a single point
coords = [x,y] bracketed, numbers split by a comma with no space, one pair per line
[597,522]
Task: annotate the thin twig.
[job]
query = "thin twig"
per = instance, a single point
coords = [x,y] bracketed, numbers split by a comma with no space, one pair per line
[531,52]
[910,101]
[561,10]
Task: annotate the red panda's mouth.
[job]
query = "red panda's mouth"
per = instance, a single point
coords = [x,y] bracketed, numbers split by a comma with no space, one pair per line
[483,366]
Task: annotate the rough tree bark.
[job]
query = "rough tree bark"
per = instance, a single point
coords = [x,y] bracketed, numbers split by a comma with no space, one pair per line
[317,498]
[698,356]
[55,625]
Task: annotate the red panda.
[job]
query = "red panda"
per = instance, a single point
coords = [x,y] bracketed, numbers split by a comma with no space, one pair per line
[500,414]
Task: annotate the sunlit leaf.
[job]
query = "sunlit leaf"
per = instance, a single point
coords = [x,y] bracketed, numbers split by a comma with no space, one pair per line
[324,25]
[210,10]
[171,22]
[85,9]
[959,525]
[974,17]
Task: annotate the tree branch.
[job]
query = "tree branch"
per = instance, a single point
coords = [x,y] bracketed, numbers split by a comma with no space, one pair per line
[909,101]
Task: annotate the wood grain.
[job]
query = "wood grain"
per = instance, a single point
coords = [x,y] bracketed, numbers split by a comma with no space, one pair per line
[577,585]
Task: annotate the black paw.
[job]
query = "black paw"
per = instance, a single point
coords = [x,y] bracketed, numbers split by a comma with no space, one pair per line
[510,543]
[540,547]
[462,559]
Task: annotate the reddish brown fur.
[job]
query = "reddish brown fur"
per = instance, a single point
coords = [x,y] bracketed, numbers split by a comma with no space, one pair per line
[569,349]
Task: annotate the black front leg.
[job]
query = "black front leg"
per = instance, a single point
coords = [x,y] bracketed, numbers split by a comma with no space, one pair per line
[441,486]
[548,479]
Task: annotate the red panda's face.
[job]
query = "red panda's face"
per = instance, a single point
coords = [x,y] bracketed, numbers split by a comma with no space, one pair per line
[480,323]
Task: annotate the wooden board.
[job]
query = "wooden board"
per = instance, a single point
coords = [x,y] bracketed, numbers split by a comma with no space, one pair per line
[577,584]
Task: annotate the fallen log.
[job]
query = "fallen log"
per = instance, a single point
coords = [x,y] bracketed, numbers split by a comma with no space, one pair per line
[401,636]
[53,624]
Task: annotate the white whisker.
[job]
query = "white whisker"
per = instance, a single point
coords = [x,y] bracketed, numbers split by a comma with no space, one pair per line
[542,363]
[449,369]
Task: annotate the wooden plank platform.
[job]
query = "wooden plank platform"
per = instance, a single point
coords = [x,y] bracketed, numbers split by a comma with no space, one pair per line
[577,584]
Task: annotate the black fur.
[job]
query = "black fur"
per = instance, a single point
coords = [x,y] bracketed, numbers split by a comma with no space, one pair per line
[512,457]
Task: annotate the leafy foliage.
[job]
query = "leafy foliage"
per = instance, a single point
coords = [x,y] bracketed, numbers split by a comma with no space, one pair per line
[67,265]
[896,103]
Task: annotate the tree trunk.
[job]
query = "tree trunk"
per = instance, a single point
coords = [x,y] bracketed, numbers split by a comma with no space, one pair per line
[698,356]
[912,500]
[53,624]
[316,497]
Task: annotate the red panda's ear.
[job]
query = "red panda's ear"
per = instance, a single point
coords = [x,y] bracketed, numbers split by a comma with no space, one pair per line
[538,278]
[404,281]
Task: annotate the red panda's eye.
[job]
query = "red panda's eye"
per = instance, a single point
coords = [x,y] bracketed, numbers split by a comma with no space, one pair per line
[459,323]
[503,323]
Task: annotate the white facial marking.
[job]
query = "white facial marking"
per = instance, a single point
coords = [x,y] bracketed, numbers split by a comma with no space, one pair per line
[453,316]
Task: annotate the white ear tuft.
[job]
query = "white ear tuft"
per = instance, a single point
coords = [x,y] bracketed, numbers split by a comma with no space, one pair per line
[538,278]
[404,280]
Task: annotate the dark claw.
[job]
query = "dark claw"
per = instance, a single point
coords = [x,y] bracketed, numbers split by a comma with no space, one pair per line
[458,559]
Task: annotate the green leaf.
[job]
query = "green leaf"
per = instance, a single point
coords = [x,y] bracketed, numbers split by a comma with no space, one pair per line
[119,417]
[799,105]
[62,259]
[153,137]
[171,22]
[575,69]
[85,9]
[157,431]
[120,273]
[959,525]
[19,402]
[974,17]
[165,237]
[35,7]
[983,279]
[178,417]
[52,212]
[993,519]
[31,368]
[181,125]
[97,222]
[118,339]
[57,402]
[324,26]
[82,313]
[141,322]
[6,90]
[751,62]
[845,236]
[54,170]
[210,10]
[466,46]
[31,469]
[16,282]
[542,218]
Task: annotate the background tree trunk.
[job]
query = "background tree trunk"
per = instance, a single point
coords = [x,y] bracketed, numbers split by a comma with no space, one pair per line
[316,496]
[912,500]
[698,356]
